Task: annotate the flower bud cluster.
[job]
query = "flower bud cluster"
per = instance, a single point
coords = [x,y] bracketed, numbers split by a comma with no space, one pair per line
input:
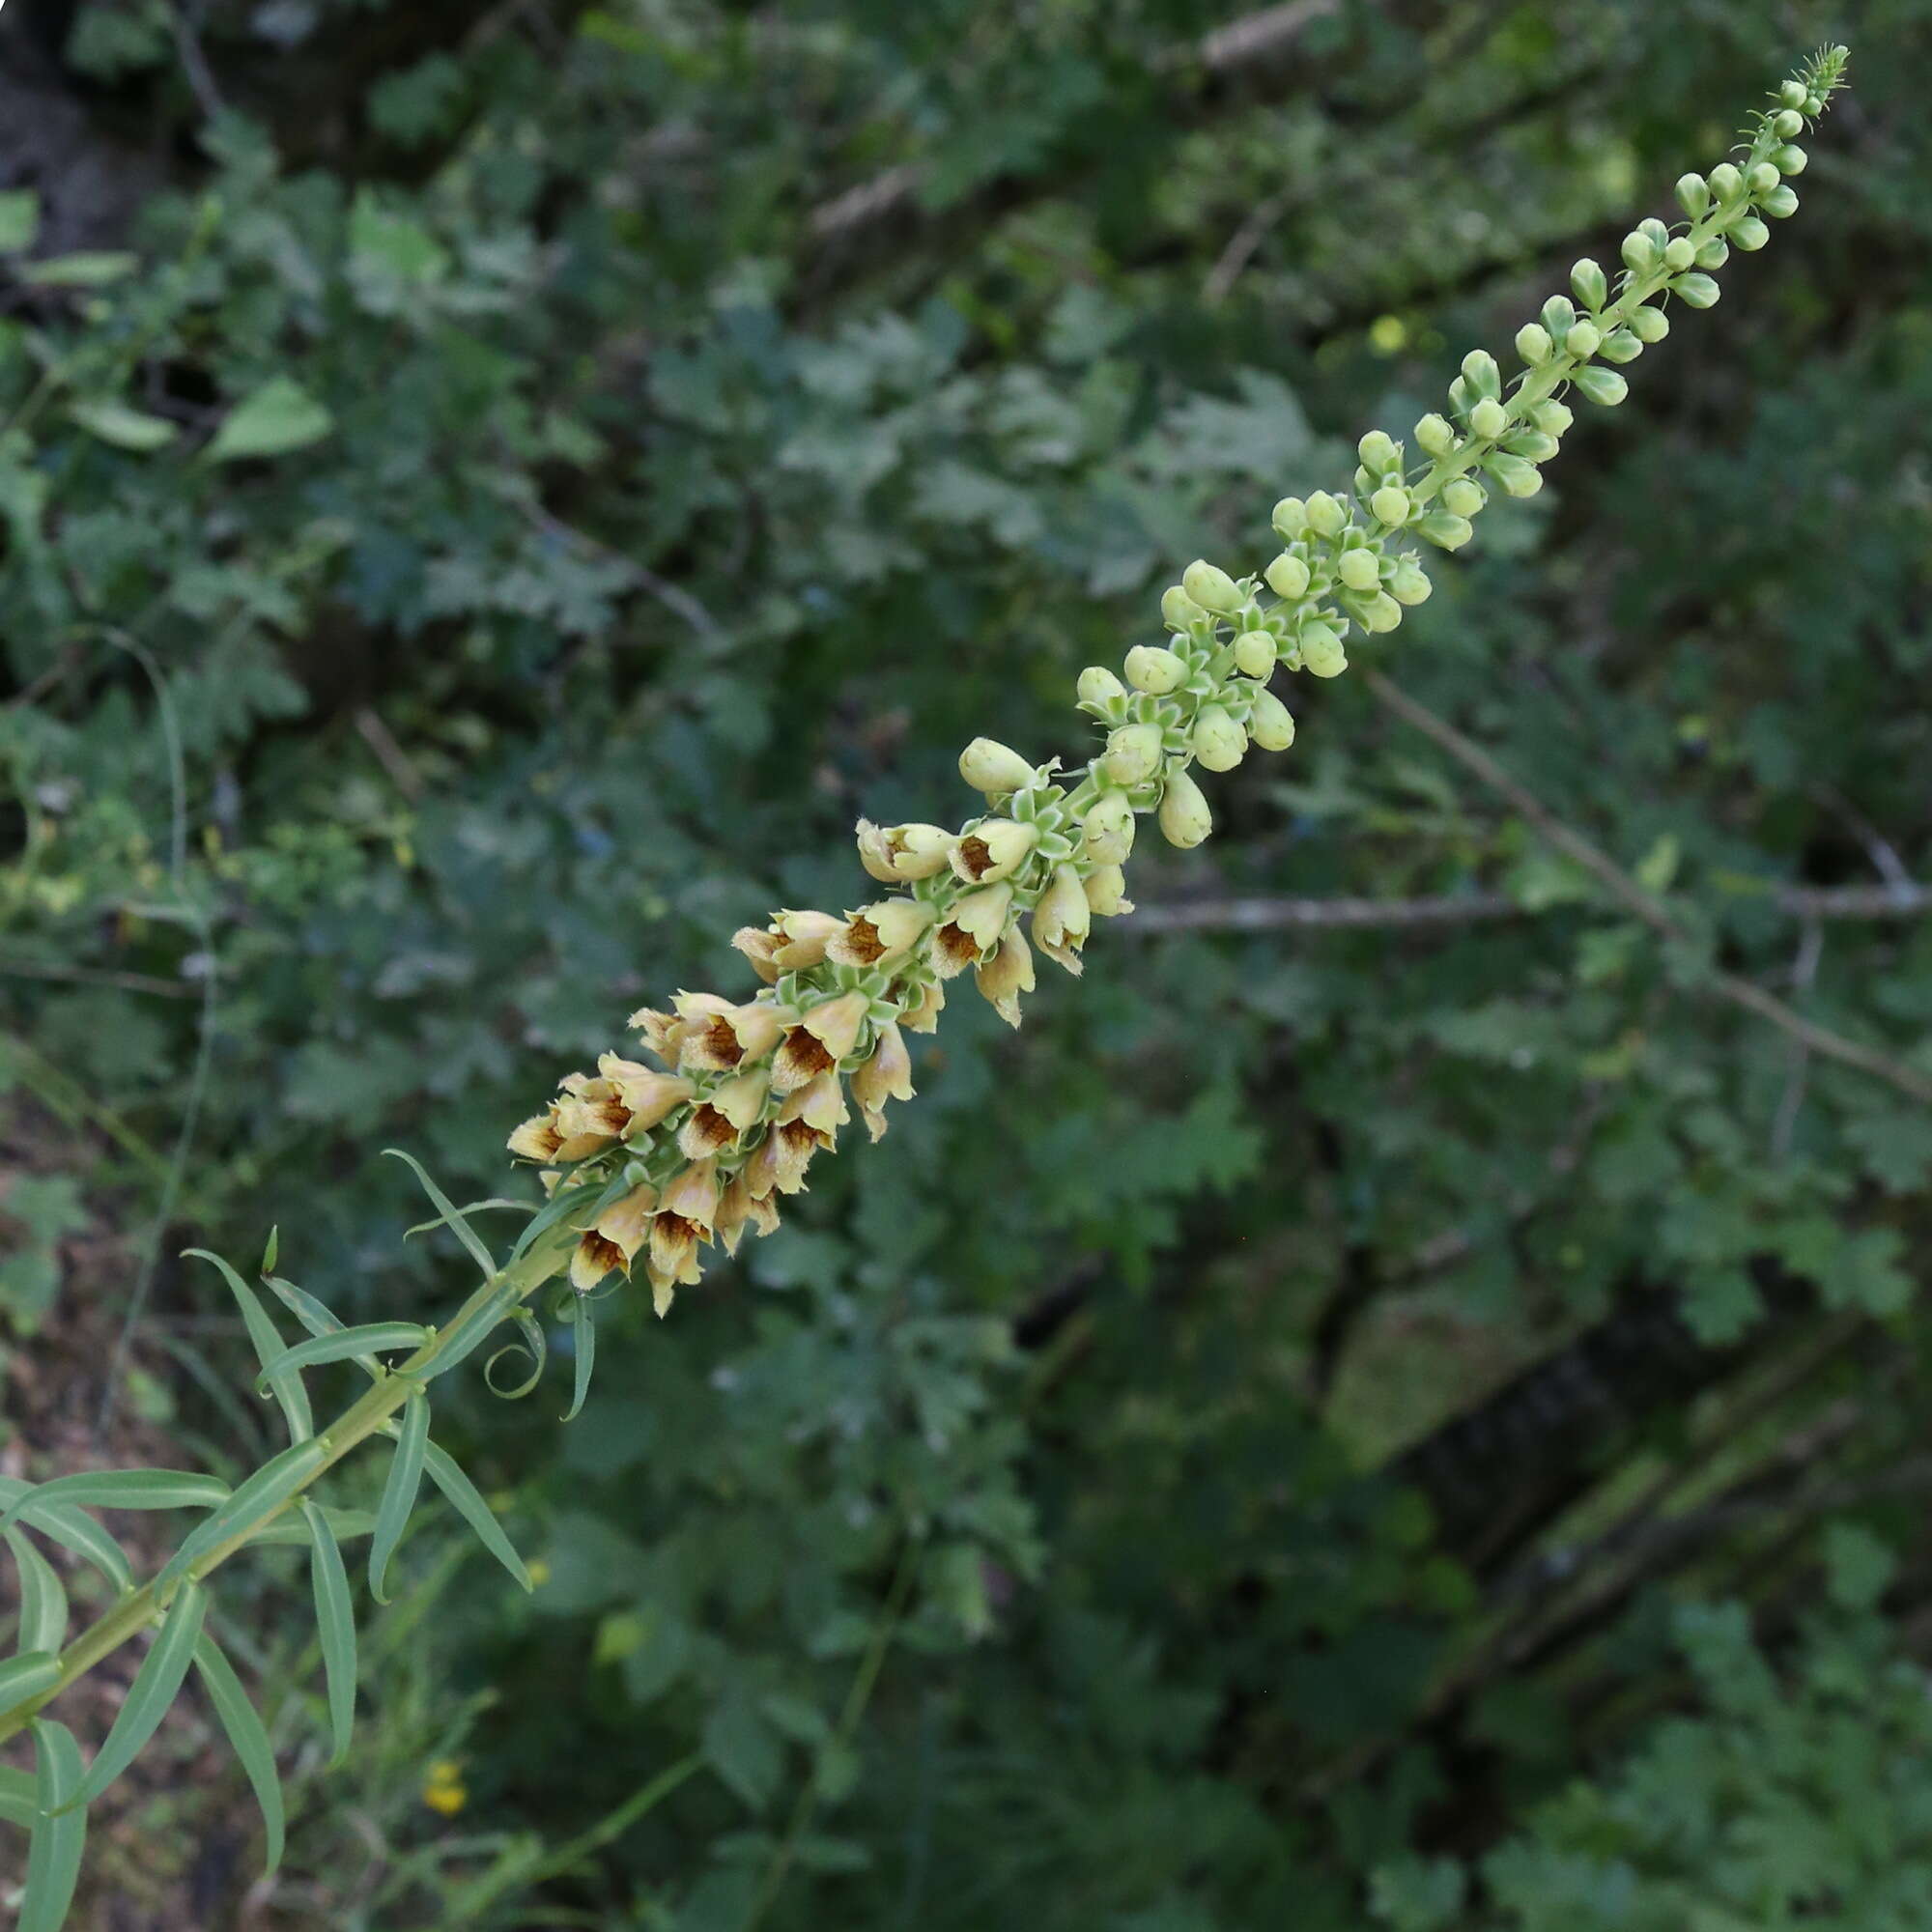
[656,1159]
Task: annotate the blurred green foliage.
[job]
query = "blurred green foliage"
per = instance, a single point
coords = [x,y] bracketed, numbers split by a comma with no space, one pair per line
[521,481]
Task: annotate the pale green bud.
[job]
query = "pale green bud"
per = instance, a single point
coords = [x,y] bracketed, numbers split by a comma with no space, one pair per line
[1694,194]
[1326,518]
[1601,385]
[1788,123]
[1762,179]
[1533,443]
[1178,611]
[1358,569]
[1480,372]
[1551,418]
[1270,723]
[1699,291]
[1445,531]
[1377,452]
[1790,161]
[1533,344]
[1726,183]
[1582,341]
[1559,312]
[1322,652]
[1781,203]
[1750,233]
[1489,419]
[1621,345]
[1520,478]
[1678,254]
[1651,227]
[1255,653]
[1587,280]
[1715,253]
[1211,588]
[1109,829]
[1219,743]
[1638,252]
[1390,505]
[1185,818]
[1287,576]
[1290,518]
[1097,684]
[1792,93]
[1436,434]
[1133,755]
[1649,324]
[1463,497]
[988,767]
[1151,667]
[1379,613]
[1409,584]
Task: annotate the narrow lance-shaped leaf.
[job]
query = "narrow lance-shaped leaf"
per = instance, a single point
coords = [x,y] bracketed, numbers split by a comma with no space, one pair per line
[155,1686]
[19,1799]
[450,1213]
[468,1208]
[126,1489]
[317,1317]
[262,1334]
[27,1675]
[60,1835]
[73,1529]
[467,1501]
[335,1625]
[584,1339]
[347,1523]
[370,1338]
[250,1740]
[472,1328]
[272,1484]
[42,1599]
[399,1493]
[534,1343]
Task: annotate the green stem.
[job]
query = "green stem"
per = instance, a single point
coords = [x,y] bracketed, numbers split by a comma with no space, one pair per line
[490,1305]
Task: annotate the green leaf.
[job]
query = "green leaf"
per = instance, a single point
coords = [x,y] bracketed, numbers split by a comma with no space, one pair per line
[279,417]
[399,1493]
[347,1523]
[467,1501]
[449,1212]
[269,1252]
[125,428]
[155,1687]
[346,1342]
[288,1389]
[60,1835]
[584,1339]
[73,1529]
[18,1803]
[336,1624]
[270,1486]
[19,219]
[26,1675]
[93,269]
[533,1344]
[42,1599]
[250,1740]
[467,1207]
[126,1489]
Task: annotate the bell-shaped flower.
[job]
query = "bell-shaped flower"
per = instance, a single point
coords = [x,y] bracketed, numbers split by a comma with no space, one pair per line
[1007,975]
[972,929]
[1061,919]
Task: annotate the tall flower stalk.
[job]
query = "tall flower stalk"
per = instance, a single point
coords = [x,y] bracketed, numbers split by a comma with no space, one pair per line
[651,1162]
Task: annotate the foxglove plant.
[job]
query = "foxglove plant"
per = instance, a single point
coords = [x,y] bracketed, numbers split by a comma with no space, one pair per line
[648,1162]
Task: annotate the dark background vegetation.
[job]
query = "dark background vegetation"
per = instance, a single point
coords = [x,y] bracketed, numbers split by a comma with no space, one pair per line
[1416,1423]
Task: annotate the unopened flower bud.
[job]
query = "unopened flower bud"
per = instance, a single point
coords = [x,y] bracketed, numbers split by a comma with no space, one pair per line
[1151,667]
[1699,291]
[1792,93]
[1750,233]
[1551,418]
[1219,743]
[1586,280]
[1270,723]
[1787,123]
[1185,818]
[1287,576]
[1377,452]
[1290,518]
[1109,829]
[1489,419]
[1322,652]
[1726,183]
[1678,254]
[1379,613]
[1559,314]
[993,849]
[1463,497]
[1601,385]
[1326,518]
[1211,588]
[1390,505]
[1178,611]
[1446,530]
[1133,753]
[1582,341]
[1762,179]
[1411,582]
[1533,344]
[988,767]
[1520,478]
[1715,253]
[1638,252]
[1436,434]
[1097,684]
[1534,444]
[1649,324]
[1694,194]
[1255,653]
[1360,569]
[1106,888]
[1780,202]
[1790,161]
[1480,372]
